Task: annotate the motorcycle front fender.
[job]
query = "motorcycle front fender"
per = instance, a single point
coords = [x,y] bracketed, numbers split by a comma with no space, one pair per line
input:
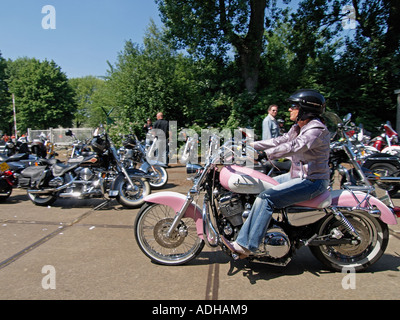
[344,198]
[146,166]
[175,201]
[155,163]
[133,173]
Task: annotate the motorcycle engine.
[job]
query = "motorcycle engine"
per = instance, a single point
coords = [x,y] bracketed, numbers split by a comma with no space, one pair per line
[86,174]
[276,243]
[231,208]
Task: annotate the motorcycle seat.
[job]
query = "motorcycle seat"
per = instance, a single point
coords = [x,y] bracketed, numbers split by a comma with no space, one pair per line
[319,202]
[14,158]
[60,168]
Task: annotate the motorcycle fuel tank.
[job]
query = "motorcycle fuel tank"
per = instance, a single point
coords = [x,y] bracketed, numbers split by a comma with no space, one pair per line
[245,180]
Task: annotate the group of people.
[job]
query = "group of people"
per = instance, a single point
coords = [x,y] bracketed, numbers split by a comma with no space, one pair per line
[160,123]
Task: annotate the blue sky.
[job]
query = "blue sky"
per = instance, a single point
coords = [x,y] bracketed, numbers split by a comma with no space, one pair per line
[87,34]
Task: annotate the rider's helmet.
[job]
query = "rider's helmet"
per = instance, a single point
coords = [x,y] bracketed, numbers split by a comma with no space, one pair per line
[311,103]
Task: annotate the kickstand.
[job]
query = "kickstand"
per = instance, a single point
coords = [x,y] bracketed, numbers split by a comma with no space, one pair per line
[102,205]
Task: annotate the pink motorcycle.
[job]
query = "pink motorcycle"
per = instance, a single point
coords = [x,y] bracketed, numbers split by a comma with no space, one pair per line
[343,228]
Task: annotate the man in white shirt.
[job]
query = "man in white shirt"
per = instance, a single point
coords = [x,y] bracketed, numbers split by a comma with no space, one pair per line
[270,127]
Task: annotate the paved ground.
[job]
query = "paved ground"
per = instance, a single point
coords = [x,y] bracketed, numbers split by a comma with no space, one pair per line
[89,254]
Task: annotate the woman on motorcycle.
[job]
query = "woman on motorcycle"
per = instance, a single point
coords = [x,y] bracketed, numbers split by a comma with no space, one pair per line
[307,144]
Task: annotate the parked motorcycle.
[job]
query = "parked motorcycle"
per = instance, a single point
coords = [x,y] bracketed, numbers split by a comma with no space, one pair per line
[40,147]
[387,141]
[133,153]
[10,168]
[79,147]
[343,228]
[380,169]
[20,146]
[96,176]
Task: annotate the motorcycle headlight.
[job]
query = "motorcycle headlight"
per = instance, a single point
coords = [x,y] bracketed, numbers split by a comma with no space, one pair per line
[193,170]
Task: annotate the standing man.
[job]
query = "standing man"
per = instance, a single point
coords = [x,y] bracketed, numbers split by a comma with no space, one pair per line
[270,126]
[163,125]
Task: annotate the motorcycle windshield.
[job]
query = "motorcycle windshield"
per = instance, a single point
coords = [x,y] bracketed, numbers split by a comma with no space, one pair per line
[331,121]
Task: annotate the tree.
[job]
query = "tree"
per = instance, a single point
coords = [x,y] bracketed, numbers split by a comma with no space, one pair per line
[361,75]
[5,101]
[87,91]
[43,96]
[213,27]
[152,78]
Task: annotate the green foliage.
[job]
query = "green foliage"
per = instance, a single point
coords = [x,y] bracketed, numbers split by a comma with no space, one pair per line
[5,101]
[90,95]
[43,96]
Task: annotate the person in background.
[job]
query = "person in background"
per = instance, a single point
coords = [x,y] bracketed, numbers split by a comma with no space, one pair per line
[162,124]
[270,126]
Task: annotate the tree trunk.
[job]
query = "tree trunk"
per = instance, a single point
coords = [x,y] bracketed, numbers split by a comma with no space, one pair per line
[250,46]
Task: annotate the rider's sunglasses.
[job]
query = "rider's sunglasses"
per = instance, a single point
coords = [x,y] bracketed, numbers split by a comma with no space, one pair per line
[294,107]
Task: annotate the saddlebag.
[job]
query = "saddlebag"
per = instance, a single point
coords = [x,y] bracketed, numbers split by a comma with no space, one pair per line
[31,176]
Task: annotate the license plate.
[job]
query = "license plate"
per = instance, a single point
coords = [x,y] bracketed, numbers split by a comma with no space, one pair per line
[4,166]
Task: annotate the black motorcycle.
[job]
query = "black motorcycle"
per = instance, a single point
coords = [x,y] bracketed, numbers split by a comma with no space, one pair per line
[100,175]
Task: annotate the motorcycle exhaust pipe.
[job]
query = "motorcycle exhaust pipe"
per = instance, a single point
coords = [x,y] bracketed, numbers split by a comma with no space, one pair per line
[52,190]
[42,191]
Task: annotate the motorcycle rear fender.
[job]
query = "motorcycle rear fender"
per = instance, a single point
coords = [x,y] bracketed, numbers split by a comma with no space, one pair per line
[391,148]
[175,201]
[381,158]
[344,198]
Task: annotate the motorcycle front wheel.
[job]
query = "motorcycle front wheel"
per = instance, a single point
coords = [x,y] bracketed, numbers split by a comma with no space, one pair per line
[151,226]
[160,177]
[386,170]
[133,196]
[358,257]
[5,190]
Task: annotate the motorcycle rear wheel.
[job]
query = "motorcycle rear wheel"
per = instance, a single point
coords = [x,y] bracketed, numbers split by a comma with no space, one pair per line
[151,226]
[374,240]
[133,197]
[42,199]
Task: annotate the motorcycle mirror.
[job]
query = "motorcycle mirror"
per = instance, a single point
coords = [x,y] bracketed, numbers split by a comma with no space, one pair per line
[347,117]
[68,133]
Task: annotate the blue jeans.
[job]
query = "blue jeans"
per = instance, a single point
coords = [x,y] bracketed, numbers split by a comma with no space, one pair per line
[288,192]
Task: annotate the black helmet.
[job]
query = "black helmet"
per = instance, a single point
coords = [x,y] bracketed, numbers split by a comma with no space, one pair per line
[98,144]
[311,102]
